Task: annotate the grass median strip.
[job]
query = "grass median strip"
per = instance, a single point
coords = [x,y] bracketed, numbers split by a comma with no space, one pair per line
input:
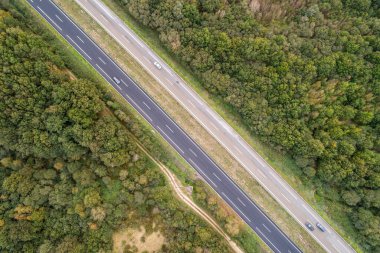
[192,127]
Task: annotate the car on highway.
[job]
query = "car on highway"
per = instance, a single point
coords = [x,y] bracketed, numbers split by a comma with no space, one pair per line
[117,81]
[157,65]
[309,226]
[322,228]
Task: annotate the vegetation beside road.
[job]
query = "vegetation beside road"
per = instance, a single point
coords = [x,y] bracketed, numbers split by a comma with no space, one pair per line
[71,173]
[308,86]
[248,240]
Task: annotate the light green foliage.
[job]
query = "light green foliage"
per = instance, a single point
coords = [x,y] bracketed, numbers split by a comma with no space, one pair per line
[68,180]
[308,84]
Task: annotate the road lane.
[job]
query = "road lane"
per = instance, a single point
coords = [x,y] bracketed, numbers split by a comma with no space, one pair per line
[268,178]
[180,141]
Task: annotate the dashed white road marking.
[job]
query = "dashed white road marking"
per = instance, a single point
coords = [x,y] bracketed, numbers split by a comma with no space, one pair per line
[195,165]
[68,36]
[193,152]
[238,150]
[191,103]
[267,239]
[285,197]
[49,18]
[241,201]
[102,61]
[217,177]
[261,173]
[124,83]
[169,128]
[104,17]
[103,71]
[58,18]
[163,132]
[236,206]
[146,105]
[146,115]
[307,209]
[267,228]
[79,38]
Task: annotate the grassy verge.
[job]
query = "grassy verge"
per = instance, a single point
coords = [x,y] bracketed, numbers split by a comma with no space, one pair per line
[335,214]
[195,130]
[138,129]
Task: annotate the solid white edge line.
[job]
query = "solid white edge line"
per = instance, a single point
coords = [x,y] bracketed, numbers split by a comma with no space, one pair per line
[58,18]
[267,239]
[175,144]
[68,36]
[193,115]
[236,206]
[49,18]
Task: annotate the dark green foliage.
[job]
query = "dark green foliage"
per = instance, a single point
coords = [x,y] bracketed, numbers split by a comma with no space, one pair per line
[309,86]
[70,173]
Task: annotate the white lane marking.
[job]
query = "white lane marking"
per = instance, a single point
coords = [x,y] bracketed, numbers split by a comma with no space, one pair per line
[104,17]
[307,209]
[131,34]
[162,131]
[104,9]
[213,125]
[170,73]
[191,103]
[217,177]
[126,37]
[344,246]
[58,18]
[195,165]
[131,80]
[193,152]
[285,197]
[146,58]
[151,54]
[118,87]
[49,18]
[241,201]
[139,107]
[103,71]
[68,36]
[169,128]
[262,173]
[238,150]
[170,82]
[102,61]
[146,105]
[267,228]
[124,83]
[267,239]
[235,206]
[80,39]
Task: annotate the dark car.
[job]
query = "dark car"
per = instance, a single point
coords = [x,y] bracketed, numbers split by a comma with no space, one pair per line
[322,228]
[309,226]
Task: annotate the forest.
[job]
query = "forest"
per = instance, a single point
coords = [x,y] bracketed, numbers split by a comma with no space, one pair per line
[70,173]
[303,75]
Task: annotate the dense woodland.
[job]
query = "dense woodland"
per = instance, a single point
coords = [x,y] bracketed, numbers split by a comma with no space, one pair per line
[306,81]
[70,173]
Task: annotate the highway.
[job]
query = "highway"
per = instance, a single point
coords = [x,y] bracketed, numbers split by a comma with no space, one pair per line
[166,127]
[261,171]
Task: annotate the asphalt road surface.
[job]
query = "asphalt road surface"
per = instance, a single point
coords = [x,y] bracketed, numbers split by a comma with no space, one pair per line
[284,194]
[210,120]
[170,131]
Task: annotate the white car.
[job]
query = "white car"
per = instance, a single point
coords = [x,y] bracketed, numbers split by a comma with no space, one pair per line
[117,81]
[157,65]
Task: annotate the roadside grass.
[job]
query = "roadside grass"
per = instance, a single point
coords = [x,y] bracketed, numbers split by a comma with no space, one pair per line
[334,213]
[289,225]
[82,68]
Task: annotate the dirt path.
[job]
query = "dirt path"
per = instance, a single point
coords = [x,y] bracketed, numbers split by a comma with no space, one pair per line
[177,187]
